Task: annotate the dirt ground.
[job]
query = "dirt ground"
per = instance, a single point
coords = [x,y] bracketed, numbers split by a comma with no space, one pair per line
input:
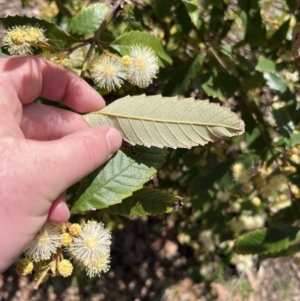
[148,262]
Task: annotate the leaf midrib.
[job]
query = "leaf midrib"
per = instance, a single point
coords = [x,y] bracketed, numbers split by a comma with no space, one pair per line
[118,115]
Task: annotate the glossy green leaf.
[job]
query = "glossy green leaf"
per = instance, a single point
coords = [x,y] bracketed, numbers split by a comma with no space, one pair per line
[167,121]
[63,8]
[117,179]
[155,156]
[217,20]
[217,3]
[200,186]
[284,121]
[124,42]
[265,64]
[53,33]
[88,20]
[146,201]
[267,240]
[183,20]
[255,31]
[162,8]
[193,11]
[280,34]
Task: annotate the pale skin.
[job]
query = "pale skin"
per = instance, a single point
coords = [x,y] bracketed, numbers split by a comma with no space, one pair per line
[44,150]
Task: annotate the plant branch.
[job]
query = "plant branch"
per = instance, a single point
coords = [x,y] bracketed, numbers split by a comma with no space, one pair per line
[220,60]
[98,34]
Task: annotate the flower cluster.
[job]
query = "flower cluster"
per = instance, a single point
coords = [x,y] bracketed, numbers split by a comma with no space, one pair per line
[90,249]
[109,71]
[59,58]
[87,245]
[139,68]
[269,183]
[22,39]
[240,174]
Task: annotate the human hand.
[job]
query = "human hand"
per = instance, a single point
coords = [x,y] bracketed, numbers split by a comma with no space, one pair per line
[44,150]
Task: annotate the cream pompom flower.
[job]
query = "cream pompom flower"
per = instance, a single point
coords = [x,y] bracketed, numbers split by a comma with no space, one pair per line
[240,173]
[21,39]
[144,66]
[91,248]
[45,243]
[107,72]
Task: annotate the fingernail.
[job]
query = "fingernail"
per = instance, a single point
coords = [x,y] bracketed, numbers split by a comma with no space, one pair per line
[114,140]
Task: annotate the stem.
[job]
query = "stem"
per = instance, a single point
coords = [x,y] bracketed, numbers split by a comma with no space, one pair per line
[219,59]
[41,278]
[98,34]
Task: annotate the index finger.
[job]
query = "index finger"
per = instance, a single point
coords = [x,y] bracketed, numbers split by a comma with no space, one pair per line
[28,77]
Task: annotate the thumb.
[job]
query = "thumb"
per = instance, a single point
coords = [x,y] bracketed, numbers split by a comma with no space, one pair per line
[65,161]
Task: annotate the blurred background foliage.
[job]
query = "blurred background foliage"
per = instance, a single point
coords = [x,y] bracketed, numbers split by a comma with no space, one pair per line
[238,53]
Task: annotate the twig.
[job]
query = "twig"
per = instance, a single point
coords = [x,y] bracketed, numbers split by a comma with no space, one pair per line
[219,59]
[98,34]
[41,278]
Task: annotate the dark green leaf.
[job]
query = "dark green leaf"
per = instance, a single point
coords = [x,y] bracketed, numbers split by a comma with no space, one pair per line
[267,240]
[200,186]
[63,9]
[162,8]
[152,157]
[253,81]
[216,3]
[146,201]
[241,61]
[193,11]
[182,75]
[286,216]
[88,20]
[255,30]
[280,34]
[284,121]
[183,19]
[219,84]
[216,20]
[292,5]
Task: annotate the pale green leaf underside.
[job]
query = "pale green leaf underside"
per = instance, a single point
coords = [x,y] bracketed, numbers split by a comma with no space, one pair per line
[146,201]
[168,121]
